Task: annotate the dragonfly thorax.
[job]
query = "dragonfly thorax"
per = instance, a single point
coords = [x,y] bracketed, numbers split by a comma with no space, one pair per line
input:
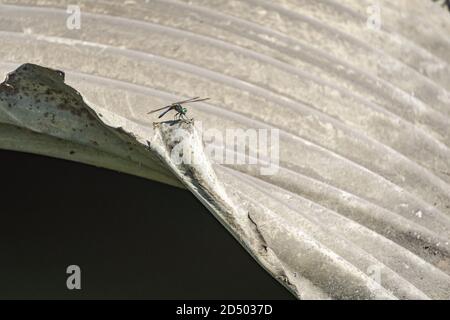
[180,109]
[177,107]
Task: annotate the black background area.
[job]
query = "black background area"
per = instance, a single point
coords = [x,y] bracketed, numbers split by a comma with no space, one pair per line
[131,237]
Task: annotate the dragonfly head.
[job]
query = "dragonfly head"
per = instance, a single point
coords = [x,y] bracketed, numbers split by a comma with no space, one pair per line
[184,110]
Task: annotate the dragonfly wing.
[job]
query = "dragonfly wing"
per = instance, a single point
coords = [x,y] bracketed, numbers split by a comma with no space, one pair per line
[159,109]
[195,100]
[186,101]
[200,100]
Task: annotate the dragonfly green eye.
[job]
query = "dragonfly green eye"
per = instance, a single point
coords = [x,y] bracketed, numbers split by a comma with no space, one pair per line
[184,110]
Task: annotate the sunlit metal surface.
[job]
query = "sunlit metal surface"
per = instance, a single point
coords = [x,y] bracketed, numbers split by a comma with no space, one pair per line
[360,205]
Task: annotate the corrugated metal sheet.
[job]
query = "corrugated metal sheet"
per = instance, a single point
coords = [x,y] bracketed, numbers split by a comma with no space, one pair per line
[360,91]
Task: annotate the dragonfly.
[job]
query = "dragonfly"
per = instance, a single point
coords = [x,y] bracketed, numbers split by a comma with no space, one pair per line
[177,106]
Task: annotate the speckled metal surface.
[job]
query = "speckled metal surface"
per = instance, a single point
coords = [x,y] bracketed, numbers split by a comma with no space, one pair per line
[360,206]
